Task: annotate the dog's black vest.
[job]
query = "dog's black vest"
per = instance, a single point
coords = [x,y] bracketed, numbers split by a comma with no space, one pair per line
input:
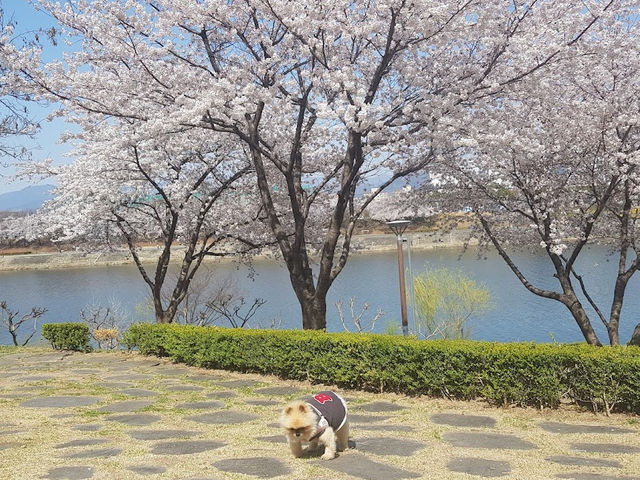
[331,409]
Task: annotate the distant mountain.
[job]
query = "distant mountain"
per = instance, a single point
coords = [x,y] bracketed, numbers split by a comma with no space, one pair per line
[28,199]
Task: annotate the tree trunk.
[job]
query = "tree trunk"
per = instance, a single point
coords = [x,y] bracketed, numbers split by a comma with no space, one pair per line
[635,337]
[14,335]
[162,315]
[581,318]
[314,314]
[614,336]
[571,301]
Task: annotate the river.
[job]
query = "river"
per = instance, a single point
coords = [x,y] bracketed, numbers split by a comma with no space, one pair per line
[517,315]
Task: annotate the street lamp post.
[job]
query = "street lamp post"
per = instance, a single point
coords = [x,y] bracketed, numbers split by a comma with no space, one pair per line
[398,227]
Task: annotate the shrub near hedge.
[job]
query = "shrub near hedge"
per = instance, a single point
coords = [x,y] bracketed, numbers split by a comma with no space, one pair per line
[67,336]
[505,374]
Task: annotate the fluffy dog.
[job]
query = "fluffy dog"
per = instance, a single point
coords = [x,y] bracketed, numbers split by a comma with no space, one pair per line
[318,419]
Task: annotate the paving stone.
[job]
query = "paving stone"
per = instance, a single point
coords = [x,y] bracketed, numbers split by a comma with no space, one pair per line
[60,402]
[29,389]
[460,420]
[117,385]
[559,427]
[11,396]
[238,383]
[261,467]
[168,382]
[86,371]
[90,427]
[280,391]
[184,388]
[356,418]
[487,440]
[129,377]
[152,362]
[162,434]
[186,447]
[389,446]
[146,469]
[139,392]
[222,394]
[273,439]
[362,467]
[70,473]
[205,377]
[604,448]
[82,442]
[170,371]
[583,461]
[262,403]
[379,407]
[36,378]
[201,405]
[223,418]
[125,406]
[103,452]
[43,358]
[135,419]
[479,466]
[386,428]
[593,476]
[198,478]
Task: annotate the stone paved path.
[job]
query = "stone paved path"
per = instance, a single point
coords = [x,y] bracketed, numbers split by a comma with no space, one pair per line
[123,416]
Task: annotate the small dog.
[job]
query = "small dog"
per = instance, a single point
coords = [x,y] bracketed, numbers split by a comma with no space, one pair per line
[321,418]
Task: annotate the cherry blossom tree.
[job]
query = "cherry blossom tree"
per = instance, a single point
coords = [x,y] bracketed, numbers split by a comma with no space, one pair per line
[15,120]
[555,161]
[327,98]
[181,191]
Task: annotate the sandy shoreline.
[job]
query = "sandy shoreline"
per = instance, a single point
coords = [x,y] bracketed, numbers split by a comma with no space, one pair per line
[78,259]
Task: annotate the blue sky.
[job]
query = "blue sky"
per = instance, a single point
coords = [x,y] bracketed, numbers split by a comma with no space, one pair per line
[44,145]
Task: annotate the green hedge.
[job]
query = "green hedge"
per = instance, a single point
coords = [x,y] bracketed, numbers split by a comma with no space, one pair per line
[67,336]
[502,373]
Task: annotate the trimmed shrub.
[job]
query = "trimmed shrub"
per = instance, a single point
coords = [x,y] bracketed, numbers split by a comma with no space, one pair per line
[67,336]
[542,375]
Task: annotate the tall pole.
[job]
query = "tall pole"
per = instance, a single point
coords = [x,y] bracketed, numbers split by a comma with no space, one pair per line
[403,292]
[411,286]
[398,227]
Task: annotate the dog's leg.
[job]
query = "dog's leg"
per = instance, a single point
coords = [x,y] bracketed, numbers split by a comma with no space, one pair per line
[328,439]
[342,437]
[313,445]
[296,446]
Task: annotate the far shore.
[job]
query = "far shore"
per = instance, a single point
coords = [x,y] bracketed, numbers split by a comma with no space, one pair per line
[366,243]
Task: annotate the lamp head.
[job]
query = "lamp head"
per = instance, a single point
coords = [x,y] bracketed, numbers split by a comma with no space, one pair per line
[398,226]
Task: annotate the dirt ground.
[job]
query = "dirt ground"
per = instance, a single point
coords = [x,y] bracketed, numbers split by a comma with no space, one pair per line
[394,436]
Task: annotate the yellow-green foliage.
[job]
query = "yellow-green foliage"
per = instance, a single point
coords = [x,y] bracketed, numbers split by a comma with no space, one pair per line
[107,337]
[445,300]
[510,373]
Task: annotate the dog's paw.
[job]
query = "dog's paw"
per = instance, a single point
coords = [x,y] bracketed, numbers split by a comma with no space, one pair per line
[328,456]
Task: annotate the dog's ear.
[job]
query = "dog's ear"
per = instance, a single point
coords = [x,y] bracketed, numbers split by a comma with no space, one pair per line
[302,407]
[288,410]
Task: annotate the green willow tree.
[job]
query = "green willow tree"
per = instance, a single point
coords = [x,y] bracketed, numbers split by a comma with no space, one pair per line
[445,300]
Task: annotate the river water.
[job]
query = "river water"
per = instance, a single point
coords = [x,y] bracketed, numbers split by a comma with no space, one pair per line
[517,314]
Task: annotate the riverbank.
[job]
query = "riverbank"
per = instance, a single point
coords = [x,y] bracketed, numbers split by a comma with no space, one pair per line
[366,243]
